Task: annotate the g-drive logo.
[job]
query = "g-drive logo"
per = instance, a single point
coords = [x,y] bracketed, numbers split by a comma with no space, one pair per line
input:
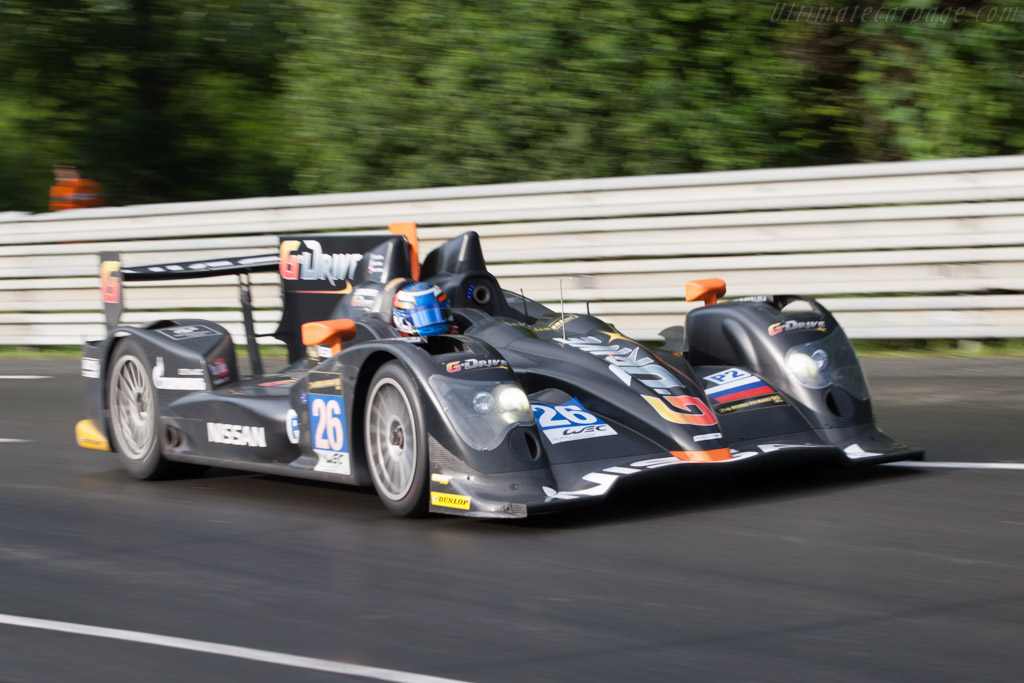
[314,264]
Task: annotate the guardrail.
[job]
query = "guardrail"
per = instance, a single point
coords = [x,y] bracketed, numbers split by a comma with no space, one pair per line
[928,249]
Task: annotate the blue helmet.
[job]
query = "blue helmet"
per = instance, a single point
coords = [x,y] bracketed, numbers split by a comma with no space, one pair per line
[423,309]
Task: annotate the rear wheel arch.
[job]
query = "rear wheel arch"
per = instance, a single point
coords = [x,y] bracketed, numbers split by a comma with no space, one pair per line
[148,462]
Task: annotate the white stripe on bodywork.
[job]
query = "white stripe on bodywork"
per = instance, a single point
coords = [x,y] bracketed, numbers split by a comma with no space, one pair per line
[928,465]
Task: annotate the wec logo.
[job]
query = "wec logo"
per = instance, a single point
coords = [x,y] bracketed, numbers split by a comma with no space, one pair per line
[314,264]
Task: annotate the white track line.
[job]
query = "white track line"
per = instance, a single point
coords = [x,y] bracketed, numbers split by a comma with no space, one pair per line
[26,377]
[13,441]
[926,464]
[224,650]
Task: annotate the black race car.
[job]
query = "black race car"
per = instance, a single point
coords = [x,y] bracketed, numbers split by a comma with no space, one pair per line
[524,410]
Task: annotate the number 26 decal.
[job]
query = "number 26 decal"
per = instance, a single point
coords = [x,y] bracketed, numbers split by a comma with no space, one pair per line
[326,415]
[562,416]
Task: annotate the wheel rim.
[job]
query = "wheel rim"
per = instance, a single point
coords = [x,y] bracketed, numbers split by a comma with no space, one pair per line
[131,408]
[391,439]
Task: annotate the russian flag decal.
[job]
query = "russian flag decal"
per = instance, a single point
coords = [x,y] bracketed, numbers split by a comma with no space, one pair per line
[734,384]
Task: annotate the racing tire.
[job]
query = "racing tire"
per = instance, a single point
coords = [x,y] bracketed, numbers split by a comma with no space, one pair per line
[134,416]
[395,441]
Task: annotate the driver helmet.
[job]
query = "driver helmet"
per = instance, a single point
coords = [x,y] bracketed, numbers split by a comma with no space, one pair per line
[422,309]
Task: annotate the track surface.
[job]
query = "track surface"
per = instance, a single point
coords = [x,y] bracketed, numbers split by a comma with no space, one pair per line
[886,574]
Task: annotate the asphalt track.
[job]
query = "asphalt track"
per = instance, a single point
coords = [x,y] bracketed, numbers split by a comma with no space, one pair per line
[885,574]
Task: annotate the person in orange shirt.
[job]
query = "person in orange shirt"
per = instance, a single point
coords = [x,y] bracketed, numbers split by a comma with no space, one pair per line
[71,191]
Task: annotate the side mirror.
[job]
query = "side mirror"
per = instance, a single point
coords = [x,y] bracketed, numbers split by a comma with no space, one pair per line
[707,290]
[332,332]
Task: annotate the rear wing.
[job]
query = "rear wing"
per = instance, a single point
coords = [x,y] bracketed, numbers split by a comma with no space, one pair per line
[311,266]
[112,277]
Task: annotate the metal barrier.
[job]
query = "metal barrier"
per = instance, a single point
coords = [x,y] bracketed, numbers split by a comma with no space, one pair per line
[924,249]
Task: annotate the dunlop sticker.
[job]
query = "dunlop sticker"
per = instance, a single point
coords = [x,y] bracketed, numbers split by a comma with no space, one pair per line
[449,500]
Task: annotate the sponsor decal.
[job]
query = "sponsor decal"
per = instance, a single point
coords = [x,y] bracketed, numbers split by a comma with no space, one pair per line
[569,422]
[767,401]
[190,372]
[708,437]
[376,264]
[855,451]
[176,383]
[475,364]
[291,425]
[561,322]
[327,432]
[219,371]
[756,298]
[796,326]
[735,384]
[449,500]
[236,435]
[363,298]
[684,410]
[440,478]
[557,324]
[188,332]
[110,282]
[628,363]
[604,479]
[91,368]
[324,382]
[277,383]
[314,264]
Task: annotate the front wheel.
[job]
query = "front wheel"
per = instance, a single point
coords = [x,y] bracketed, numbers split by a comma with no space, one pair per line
[396,449]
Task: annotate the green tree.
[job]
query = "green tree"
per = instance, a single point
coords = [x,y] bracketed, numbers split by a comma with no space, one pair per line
[159,100]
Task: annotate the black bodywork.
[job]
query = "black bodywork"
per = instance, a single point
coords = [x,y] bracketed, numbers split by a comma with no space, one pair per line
[735,391]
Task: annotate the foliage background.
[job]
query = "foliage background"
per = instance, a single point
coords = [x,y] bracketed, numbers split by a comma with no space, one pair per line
[173,100]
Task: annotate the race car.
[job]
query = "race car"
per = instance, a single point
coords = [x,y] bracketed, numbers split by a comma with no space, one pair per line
[520,409]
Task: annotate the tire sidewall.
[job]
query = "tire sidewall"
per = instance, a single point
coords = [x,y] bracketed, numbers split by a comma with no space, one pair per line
[148,466]
[414,503]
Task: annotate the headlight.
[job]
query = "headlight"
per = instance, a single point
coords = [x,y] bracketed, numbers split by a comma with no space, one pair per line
[805,369]
[482,413]
[512,399]
[483,402]
[830,360]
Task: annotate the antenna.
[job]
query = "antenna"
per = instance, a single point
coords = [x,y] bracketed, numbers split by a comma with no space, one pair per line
[561,300]
[588,308]
[526,316]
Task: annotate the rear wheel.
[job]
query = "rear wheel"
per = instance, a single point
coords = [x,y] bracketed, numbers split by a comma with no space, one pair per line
[396,449]
[134,420]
